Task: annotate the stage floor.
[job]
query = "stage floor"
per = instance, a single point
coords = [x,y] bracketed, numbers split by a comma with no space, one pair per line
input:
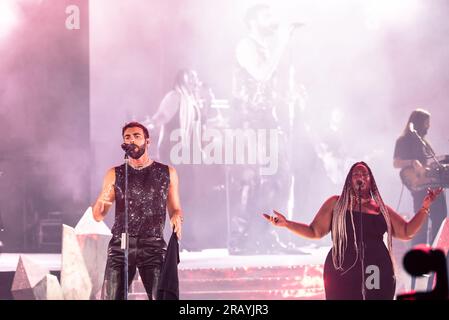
[215,274]
[205,259]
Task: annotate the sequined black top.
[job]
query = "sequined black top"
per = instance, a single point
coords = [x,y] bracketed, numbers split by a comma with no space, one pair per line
[147,198]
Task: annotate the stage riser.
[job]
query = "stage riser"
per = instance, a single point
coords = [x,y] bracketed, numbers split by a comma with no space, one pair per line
[254,272]
[261,283]
[243,295]
[230,284]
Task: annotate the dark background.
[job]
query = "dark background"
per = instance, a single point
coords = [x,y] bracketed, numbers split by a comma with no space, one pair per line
[44,124]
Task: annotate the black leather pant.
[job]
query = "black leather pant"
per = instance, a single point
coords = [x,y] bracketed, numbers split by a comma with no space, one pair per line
[147,254]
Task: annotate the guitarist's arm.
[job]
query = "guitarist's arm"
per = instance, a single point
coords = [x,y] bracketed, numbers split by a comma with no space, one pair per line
[400,163]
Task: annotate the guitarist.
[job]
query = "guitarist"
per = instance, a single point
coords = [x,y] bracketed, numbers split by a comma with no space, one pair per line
[412,152]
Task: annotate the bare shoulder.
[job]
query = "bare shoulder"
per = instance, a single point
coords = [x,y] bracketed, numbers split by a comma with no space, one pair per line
[110,174]
[171,170]
[323,218]
[331,201]
[328,207]
[110,171]
[173,174]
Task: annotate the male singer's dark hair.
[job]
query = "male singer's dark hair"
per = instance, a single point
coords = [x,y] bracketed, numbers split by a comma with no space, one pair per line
[136,124]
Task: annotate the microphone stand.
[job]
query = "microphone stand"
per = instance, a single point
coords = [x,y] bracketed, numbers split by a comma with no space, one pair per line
[2,227]
[429,151]
[362,245]
[228,208]
[1,231]
[440,169]
[125,236]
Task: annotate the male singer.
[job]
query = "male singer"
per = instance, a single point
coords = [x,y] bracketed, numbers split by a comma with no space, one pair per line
[152,188]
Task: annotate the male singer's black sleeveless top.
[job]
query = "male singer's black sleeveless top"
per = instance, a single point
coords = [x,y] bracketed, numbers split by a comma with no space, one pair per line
[147,199]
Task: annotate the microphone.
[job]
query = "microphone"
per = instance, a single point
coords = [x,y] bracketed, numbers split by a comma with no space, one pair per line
[359,184]
[411,127]
[128,148]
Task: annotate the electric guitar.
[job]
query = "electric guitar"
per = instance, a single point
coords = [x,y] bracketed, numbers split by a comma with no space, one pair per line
[420,179]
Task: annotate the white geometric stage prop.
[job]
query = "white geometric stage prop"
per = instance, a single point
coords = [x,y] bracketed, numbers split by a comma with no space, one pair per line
[84,253]
[442,239]
[34,282]
[49,289]
[75,281]
[93,238]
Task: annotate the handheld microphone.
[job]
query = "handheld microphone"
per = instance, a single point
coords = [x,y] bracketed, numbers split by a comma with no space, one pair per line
[411,127]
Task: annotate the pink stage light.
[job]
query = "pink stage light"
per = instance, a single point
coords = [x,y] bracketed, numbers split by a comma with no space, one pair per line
[9,17]
[381,12]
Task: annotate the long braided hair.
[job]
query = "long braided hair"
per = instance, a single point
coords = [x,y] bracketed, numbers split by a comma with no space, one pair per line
[345,203]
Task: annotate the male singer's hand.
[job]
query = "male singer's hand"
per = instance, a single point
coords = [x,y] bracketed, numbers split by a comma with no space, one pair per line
[278,220]
[176,222]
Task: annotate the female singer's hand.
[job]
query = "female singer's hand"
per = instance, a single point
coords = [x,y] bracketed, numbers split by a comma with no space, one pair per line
[278,220]
[432,194]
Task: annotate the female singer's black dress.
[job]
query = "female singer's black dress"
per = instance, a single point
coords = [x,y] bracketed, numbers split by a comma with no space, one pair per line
[348,286]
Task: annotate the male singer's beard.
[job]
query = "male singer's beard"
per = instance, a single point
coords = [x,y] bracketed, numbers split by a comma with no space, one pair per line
[137,154]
